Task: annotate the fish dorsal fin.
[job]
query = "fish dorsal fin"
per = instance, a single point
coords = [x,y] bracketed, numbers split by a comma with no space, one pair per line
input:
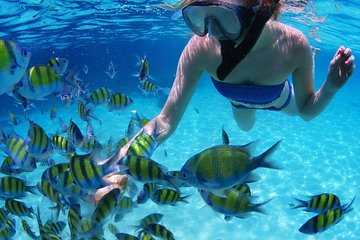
[250,147]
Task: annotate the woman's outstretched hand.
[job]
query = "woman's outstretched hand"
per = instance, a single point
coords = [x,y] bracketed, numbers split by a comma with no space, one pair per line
[341,68]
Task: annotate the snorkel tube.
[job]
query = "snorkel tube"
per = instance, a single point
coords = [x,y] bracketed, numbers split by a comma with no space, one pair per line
[231,55]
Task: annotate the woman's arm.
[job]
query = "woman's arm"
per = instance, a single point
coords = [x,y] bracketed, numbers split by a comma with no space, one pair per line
[189,69]
[310,103]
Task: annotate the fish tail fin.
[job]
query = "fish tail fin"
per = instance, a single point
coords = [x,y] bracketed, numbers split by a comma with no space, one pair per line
[32,189]
[348,207]
[183,199]
[263,159]
[301,203]
[259,207]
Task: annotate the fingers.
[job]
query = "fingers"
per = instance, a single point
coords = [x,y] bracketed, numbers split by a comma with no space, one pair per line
[342,56]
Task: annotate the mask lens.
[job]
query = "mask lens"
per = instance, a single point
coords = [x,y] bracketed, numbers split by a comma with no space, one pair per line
[197,17]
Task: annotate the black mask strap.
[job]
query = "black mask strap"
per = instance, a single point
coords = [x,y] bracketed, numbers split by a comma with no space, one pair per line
[231,55]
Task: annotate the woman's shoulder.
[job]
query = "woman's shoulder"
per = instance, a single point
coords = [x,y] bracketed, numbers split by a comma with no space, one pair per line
[290,34]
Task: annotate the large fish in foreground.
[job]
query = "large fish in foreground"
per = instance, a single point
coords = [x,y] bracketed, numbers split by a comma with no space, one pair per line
[223,166]
[14,61]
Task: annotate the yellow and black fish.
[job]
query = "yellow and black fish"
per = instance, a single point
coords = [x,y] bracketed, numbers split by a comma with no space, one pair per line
[14,61]
[319,203]
[105,207]
[100,96]
[119,101]
[159,230]
[38,143]
[12,187]
[59,65]
[164,196]
[325,220]
[234,204]
[63,144]
[223,166]
[74,220]
[19,208]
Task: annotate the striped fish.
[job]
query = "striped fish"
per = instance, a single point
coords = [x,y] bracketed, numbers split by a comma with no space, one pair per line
[124,206]
[167,197]
[144,144]
[64,184]
[28,230]
[88,174]
[4,214]
[159,230]
[63,144]
[319,203]
[56,227]
[145,236]
[125,236]
[59,65]
[15,147]
[326,219]
[86,114]
[223,166]
[139,120]
[39,82]
[144,68]
[52,173]
[12,187]
[146,192]
[38,143]
[144,169]
[241,188]
[50,192]
[9,230]
[86,228]
[149,87]
[9,167]
[14,61]
[149,219]
[234,204]
[75,134]
[19,208]
[100,96]
[91,145]
[119,101]
[74,219]
[105,208]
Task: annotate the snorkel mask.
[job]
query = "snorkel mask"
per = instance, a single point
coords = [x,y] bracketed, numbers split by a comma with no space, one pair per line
[220,19]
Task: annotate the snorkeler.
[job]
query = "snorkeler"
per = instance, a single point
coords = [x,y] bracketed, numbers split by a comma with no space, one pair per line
[249,56]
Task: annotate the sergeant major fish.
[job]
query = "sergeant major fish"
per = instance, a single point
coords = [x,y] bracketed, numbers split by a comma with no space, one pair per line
[319,203]
[223,166]
[59,65]
[119,101]
[38,143]
[14,61]
[325,220]
[39,82]
[234,204]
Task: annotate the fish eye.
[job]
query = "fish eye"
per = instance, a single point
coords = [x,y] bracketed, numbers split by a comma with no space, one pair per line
[184,175]
[24,52]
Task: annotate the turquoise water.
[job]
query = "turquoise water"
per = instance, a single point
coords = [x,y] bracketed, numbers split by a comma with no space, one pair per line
[317,156]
